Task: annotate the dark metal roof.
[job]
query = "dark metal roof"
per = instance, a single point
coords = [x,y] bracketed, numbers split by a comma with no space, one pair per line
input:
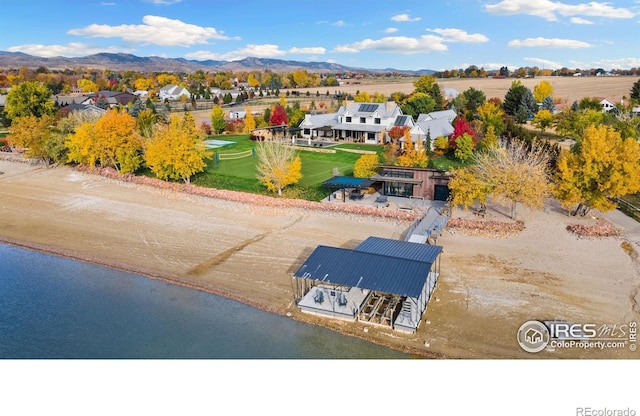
[400,249]
[393,275]
[347,182]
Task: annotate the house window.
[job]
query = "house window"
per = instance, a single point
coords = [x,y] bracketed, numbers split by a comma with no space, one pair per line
[307,132]
[398,189]
[348,119]
[397,174]
[376,120]
[363,120]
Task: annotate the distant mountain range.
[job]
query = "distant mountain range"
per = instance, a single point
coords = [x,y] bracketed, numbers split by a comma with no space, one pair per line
[128,62]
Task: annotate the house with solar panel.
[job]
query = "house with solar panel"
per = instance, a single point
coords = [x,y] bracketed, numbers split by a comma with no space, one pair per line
[356,122]
[381,282]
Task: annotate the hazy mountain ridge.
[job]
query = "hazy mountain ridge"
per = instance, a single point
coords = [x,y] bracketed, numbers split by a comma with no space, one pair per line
[124,62]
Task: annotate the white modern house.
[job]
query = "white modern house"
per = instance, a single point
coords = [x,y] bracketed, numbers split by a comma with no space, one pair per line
[173,92]
[358,122]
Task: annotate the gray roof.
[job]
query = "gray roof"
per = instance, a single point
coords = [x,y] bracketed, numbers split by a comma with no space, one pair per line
[400,249]
[376,264]
[437,115]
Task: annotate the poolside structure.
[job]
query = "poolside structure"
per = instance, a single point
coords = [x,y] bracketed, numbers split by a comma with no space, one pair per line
[380,282]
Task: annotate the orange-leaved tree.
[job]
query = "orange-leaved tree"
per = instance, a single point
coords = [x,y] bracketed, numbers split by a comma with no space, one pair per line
[112,141]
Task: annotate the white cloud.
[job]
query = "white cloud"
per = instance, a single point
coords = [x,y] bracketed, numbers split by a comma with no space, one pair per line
[548,43]
[617,63]
[391,30]
[258,51]
[550,10]
[581,21]
[545,63]
[459,35]
[397,44]
[163,2]
[405,18]
[68,50]
[492,66]
[104,3]
[308,51]
[339,23]
[156,30]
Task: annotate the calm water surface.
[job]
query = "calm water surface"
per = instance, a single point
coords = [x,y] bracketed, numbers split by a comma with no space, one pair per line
[53,307]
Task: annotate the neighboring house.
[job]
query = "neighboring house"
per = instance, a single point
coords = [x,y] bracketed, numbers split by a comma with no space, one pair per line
[636,110]
[63,100]
[114,98]
[217,92]
[85,108]
[141,94]
[237,114]
[173,92]
[607,105]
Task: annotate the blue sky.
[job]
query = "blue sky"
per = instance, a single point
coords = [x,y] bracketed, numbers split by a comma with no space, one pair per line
[375,34]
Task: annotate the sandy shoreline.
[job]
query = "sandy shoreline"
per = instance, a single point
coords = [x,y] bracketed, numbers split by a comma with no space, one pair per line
[245,252]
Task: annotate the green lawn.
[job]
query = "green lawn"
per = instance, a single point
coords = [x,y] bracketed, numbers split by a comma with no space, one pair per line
[240,174]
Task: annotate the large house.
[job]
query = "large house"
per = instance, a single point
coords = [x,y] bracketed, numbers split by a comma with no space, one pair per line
[358,122]
[371,122]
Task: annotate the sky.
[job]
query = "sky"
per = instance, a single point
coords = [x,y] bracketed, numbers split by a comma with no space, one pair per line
[372,34]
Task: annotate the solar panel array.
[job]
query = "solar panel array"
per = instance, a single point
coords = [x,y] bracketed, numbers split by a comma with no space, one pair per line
[367,108]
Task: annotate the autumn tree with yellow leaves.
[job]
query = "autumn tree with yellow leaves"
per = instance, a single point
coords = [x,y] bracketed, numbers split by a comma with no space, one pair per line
[412,155]
[366,166]
[111,141]
[278,165]
[32,133]
[249,121]
[601,166]
[513,174]
[176,151]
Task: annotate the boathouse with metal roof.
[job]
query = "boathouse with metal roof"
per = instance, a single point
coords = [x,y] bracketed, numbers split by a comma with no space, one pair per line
[380,282]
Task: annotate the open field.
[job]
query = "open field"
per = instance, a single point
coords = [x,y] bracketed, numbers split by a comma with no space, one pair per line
[488,286]
[564,88]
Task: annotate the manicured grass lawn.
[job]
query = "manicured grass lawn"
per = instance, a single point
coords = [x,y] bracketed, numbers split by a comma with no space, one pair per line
[240,174]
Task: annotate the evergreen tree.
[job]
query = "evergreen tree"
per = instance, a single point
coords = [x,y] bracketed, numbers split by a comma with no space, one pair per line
[548,104]
[635,91]
[513,98]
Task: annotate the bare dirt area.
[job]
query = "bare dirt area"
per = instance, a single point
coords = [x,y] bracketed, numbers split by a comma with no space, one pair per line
[487,289]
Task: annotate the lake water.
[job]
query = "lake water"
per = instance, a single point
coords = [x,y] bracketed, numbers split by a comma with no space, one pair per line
[53,307]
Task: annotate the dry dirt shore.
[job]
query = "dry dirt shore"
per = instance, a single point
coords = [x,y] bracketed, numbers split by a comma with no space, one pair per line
[487,289]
